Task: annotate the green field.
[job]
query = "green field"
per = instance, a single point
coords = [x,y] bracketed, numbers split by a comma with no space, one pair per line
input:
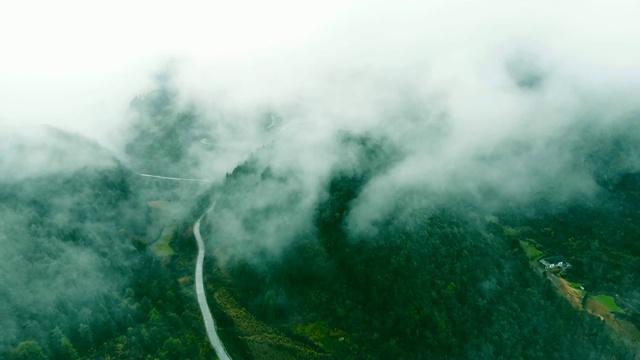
[531,250]
[322,335]
[163,247]
[574,285]
[509,231]
[609,302]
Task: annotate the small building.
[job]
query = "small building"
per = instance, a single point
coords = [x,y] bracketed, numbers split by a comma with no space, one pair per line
[555,262]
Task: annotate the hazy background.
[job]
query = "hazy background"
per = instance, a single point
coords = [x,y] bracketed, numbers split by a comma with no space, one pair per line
[77,65]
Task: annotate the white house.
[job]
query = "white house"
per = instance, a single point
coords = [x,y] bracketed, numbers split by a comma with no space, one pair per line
[555,262]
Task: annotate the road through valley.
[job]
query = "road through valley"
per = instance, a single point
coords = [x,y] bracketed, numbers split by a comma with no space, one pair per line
[202,299]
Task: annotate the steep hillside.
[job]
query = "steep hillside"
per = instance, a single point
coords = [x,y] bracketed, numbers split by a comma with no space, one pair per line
[79,277]
[440,278]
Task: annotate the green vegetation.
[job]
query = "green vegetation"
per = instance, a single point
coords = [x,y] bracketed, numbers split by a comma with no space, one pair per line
[609,302]
[162,247]
[509,231]
[434,277]
[531,250]
[429,283]
[261,341]
[575,285]
[321,334]
[79,282]
[163,132]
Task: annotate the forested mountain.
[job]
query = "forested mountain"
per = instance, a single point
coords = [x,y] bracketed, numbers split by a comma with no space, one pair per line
[314,259]
[79,279]
[446,278]
[165,135]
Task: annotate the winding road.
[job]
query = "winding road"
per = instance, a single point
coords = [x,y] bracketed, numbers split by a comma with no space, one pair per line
[209,324]
[202,298]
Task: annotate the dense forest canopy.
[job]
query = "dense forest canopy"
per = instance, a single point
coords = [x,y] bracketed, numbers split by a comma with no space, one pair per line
[440,277]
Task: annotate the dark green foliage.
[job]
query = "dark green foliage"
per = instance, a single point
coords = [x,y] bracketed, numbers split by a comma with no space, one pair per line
[433,282]
[27,350]
[68,230]
[599,237]
[81,290]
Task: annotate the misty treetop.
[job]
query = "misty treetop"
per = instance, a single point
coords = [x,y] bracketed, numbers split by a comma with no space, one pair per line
[163,132]
[433,282]
[75,285]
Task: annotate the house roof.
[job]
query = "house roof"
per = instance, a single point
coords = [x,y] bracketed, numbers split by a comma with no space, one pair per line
[554,259]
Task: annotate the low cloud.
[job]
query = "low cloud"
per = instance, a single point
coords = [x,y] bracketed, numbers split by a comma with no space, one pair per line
[528,126]
[496,103]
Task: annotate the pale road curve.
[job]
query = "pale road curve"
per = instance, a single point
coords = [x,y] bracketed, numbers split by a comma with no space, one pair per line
[202,298]
[174,178]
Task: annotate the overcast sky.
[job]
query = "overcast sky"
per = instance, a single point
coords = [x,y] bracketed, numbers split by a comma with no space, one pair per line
[76,64]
